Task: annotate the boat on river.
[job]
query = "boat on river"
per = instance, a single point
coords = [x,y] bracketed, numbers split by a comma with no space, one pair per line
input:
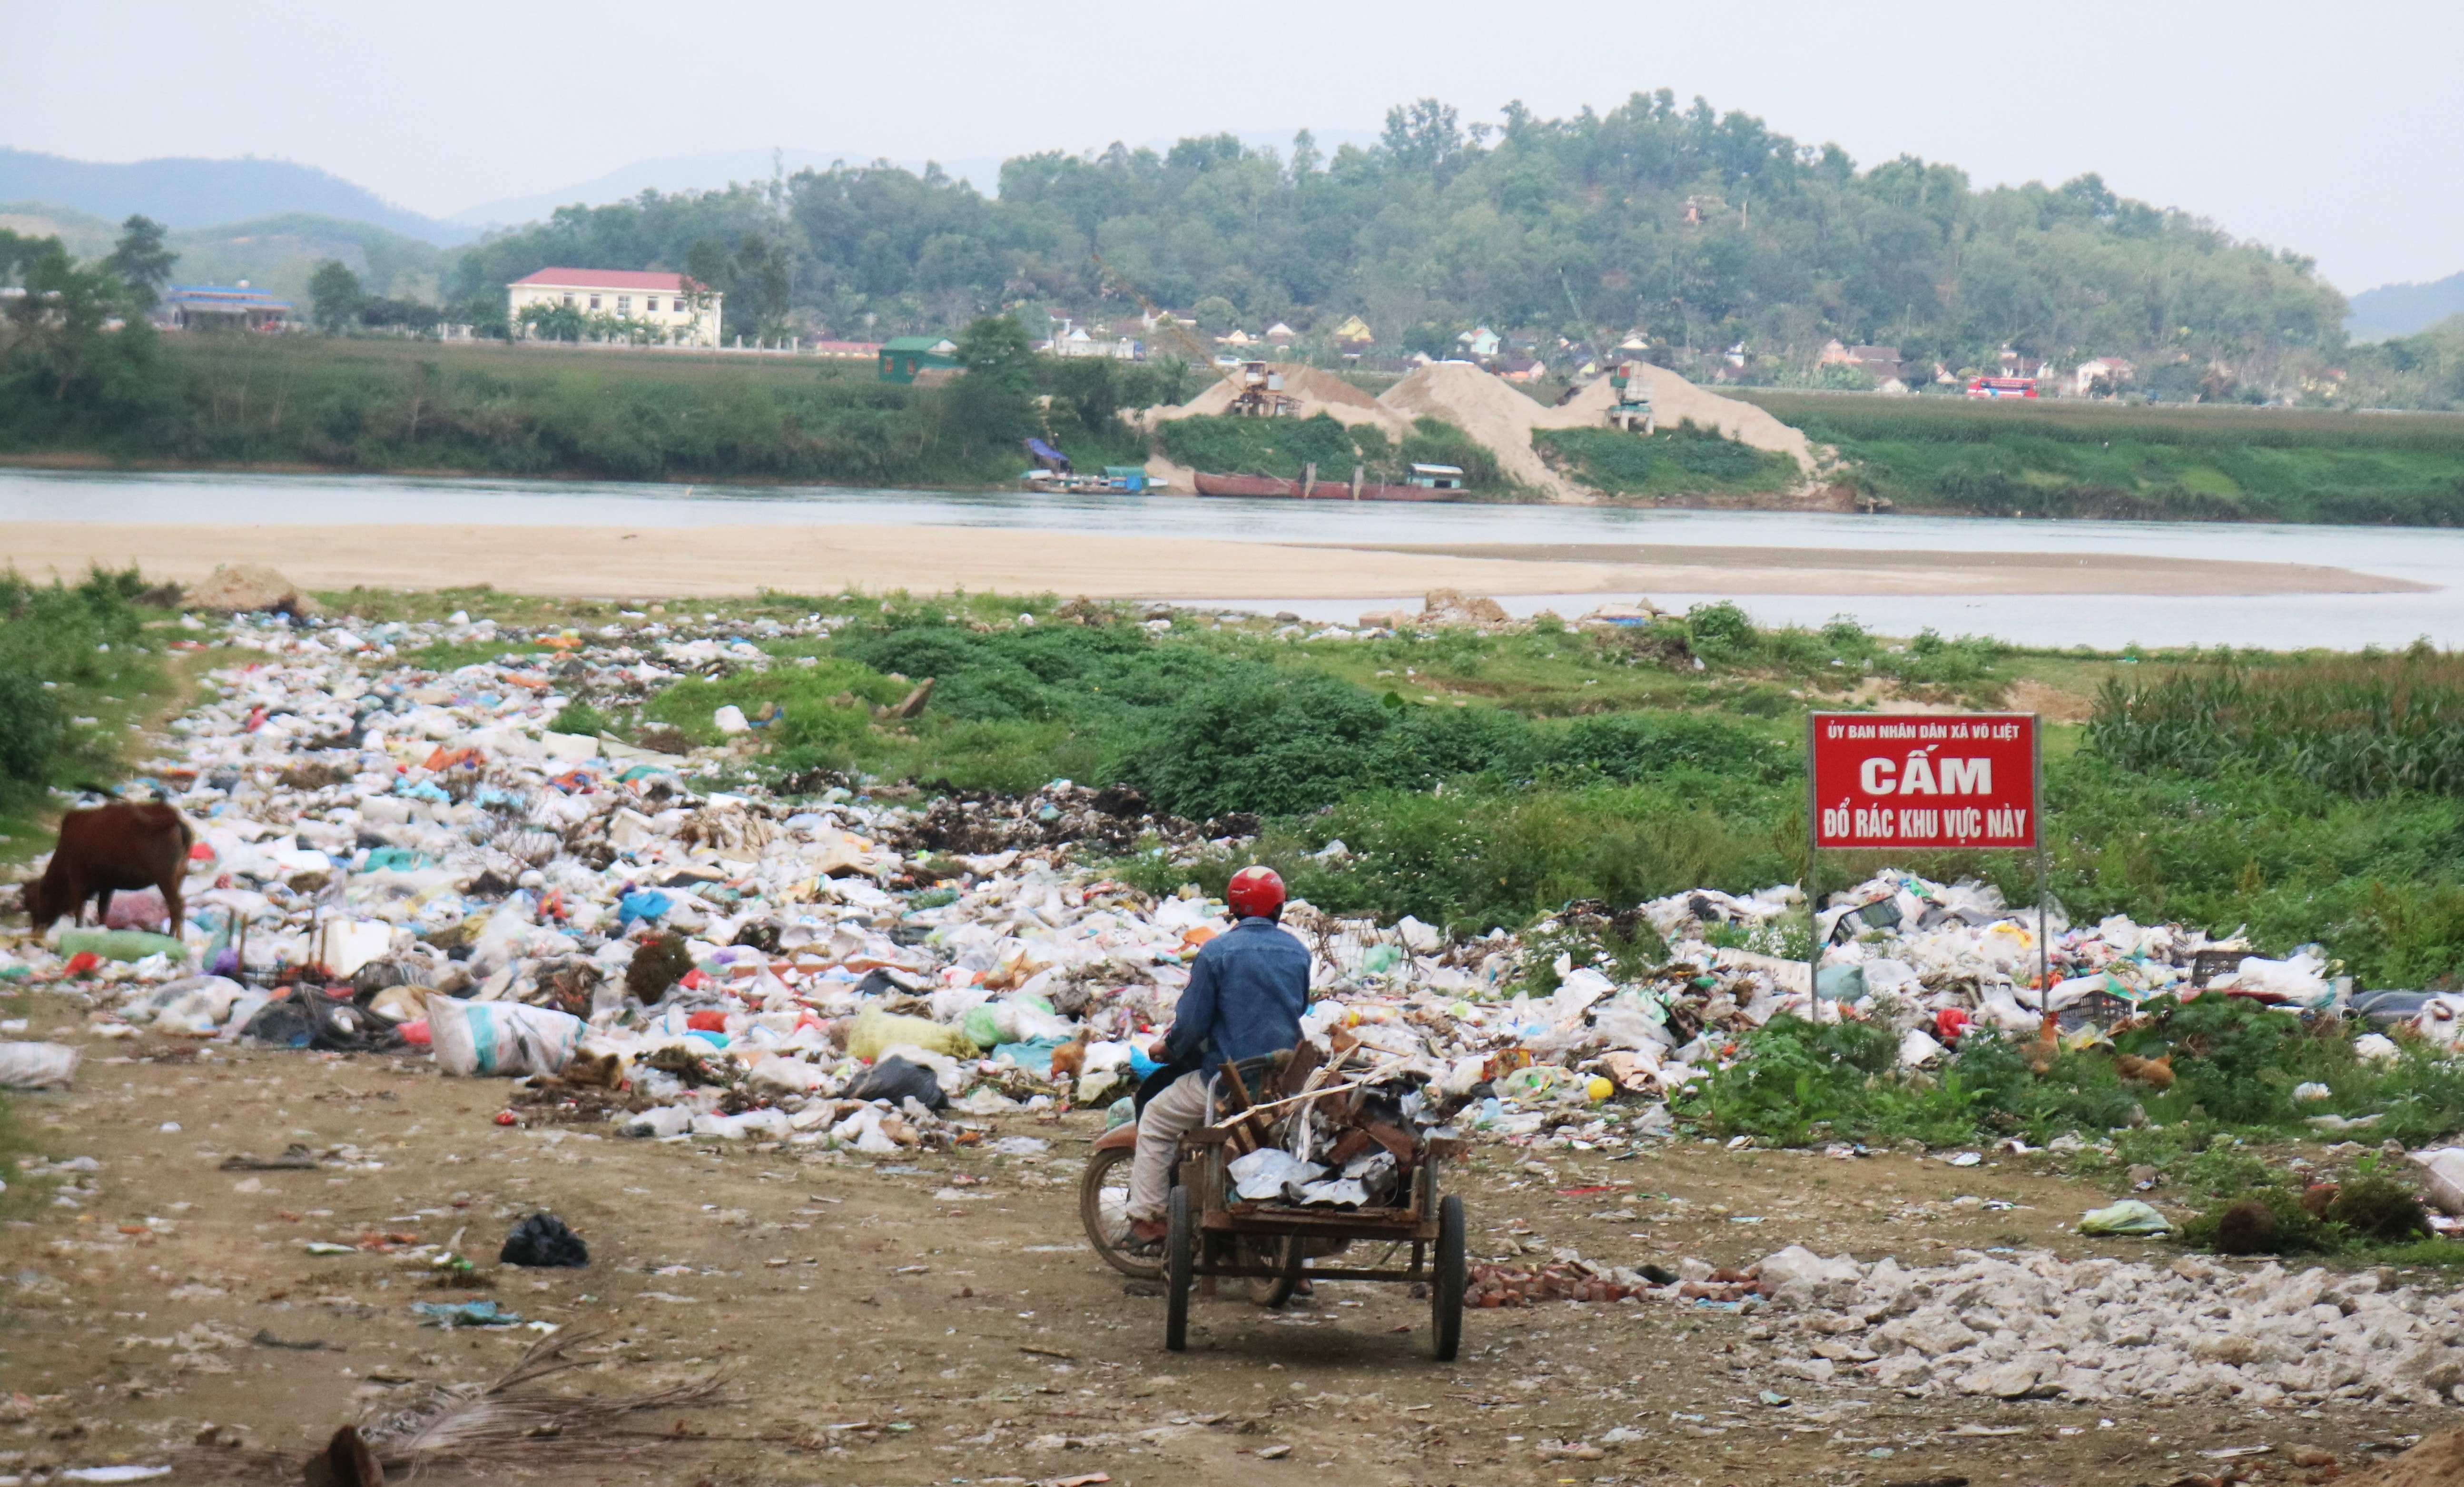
[1322,490]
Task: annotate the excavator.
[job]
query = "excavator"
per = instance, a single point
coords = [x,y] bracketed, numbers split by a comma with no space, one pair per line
[1257,387]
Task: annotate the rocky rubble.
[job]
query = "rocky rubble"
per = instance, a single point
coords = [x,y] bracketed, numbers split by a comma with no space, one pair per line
[2033,1326]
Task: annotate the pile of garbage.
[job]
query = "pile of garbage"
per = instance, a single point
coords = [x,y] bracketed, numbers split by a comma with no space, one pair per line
[391,856]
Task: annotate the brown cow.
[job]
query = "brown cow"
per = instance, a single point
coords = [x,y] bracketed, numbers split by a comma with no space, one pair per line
[109,849]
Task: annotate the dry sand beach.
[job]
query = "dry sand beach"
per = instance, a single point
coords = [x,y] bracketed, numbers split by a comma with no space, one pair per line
[744,560]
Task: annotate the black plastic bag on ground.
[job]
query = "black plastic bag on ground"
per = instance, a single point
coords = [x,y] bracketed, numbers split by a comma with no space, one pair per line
[304,1018]
[896,1079]
[285,1022]
[542,1242]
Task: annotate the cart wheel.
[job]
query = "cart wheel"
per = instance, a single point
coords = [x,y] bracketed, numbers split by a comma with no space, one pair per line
[1104,1211]
[1448,1280]
[1285,1255]
[1180,1262]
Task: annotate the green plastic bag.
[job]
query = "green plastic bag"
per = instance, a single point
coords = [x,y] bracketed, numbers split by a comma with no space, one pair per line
[2129,1216]
[121,945]
[982,1026]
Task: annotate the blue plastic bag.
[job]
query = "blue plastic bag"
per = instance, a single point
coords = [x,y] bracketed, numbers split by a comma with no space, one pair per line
[642,903]
[1034,1055]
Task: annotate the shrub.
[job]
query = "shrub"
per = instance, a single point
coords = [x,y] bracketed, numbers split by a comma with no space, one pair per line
[31,725]
[1720,632]
[1673,462]
[1259,739]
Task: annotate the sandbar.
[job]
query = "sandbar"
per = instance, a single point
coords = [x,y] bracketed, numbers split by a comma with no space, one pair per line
[615,561]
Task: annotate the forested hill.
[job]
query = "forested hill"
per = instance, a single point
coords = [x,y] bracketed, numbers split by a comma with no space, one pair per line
[1705,228]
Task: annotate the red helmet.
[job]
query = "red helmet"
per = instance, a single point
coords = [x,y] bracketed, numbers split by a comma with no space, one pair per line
[1255,893]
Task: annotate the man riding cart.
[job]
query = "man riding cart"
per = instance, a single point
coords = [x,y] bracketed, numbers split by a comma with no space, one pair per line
[1247,991]
[1260,1157]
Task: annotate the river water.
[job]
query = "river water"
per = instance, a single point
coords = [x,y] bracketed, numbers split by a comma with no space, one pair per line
[2276,621]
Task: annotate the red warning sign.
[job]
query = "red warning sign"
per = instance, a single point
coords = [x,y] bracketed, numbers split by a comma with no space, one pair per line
[1924,780]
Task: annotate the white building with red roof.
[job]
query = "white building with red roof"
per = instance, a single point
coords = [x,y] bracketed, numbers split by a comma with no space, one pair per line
[682,309]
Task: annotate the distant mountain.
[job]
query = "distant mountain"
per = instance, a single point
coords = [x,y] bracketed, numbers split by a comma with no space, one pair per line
[693,173]
[280,252]
[711,172]
[2404,309]
[277,252]
[83,234]
[188,192]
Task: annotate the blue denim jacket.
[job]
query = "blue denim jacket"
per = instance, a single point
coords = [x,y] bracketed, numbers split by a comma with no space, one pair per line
[1245,996]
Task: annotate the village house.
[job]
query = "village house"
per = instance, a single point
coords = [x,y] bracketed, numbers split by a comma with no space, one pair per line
[1882,364]
[685,312]
[218,307]
[2015,364]
[2100,377]
[926,360]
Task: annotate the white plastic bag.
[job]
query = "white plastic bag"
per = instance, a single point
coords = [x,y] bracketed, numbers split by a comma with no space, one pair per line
[2444,1168]
[36,1066]
[2296,978]
[501,1037]
[343,945]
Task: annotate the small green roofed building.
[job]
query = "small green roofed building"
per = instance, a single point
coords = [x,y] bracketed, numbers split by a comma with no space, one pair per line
[902,356]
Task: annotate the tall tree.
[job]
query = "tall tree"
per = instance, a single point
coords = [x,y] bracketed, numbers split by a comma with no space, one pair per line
[336,295]
[63,339]
[995,398]
[140,262]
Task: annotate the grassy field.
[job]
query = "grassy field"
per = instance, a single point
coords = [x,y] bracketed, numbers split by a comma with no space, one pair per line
[1285,447]
[1678,461]
[2061,459]
[486,407]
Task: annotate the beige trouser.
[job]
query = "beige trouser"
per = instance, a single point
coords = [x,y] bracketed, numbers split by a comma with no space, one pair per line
[1179,1109]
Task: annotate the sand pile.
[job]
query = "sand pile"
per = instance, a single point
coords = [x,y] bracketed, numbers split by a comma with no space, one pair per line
[241,587]
[2438,1462]
[1495,413]
[1492,411]
[1674,400]
[1317,391]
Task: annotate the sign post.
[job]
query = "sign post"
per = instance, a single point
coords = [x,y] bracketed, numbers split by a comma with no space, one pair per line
[1912,781]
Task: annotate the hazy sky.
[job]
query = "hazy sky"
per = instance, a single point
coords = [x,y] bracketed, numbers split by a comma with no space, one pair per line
[2334,129]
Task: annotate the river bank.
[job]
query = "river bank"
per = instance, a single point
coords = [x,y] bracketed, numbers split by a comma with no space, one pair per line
[302,404]
[2107,584]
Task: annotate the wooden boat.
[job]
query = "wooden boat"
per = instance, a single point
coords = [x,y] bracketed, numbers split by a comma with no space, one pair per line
[1268,485]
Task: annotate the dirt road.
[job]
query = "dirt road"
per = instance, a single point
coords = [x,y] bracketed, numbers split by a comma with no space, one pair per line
[937,1318]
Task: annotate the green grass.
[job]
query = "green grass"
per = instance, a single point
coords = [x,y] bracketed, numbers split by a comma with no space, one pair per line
[78,664]
[2187,463]
[2235,1065]
[1285,447]
[2365,726]
[536,411]
[1680,461]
